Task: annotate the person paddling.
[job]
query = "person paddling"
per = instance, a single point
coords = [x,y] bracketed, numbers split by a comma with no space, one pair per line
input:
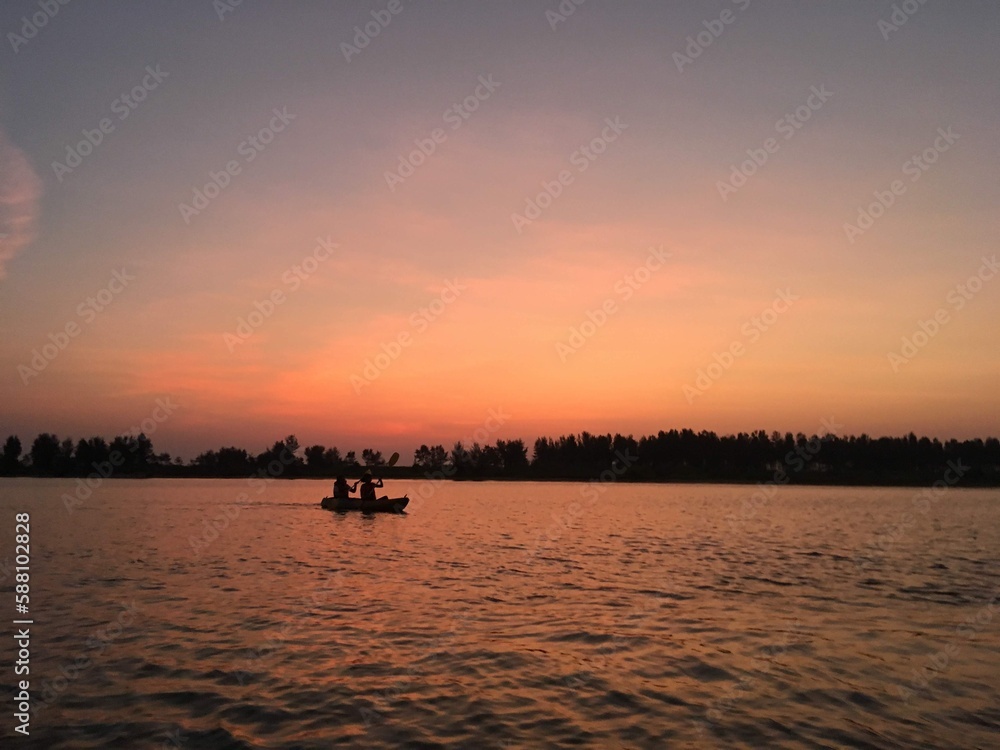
[368,486]
[341,489]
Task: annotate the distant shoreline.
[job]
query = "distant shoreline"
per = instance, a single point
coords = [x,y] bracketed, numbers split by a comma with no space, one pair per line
[674,457]
[803,482]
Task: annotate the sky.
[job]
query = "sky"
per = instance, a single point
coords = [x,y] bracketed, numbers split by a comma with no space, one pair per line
[381,224]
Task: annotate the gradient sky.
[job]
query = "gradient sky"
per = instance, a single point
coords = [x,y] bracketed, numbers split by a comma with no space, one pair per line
[495,345]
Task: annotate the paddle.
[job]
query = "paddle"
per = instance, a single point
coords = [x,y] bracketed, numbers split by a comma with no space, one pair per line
[391,462]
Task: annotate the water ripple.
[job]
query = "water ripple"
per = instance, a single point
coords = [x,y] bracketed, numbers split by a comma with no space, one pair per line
[649,622]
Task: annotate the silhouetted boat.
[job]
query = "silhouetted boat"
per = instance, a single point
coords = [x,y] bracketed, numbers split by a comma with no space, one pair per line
[381,505]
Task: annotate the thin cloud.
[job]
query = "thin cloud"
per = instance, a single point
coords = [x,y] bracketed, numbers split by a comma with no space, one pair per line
[20,191]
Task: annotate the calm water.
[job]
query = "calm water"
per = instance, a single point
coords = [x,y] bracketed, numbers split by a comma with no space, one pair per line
[509,615]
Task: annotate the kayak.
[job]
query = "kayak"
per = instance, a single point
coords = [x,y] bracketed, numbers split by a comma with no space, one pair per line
[381,505]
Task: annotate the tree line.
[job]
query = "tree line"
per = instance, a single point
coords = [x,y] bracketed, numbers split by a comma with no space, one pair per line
[675,455]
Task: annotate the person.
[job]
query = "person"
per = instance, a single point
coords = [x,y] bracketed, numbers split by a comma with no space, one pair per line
[368,486]
[341,489]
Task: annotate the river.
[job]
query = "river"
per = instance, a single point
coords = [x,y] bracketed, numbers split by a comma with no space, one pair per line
[209,614]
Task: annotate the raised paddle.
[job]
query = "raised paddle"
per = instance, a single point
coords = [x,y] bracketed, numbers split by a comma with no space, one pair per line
[389,464]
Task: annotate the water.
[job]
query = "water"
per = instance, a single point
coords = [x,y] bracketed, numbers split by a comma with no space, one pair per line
[657,616]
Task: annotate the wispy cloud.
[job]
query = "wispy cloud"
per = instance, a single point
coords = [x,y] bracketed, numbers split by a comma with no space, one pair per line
[20,191]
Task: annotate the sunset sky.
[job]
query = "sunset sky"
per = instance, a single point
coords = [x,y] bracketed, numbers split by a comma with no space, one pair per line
[449,254]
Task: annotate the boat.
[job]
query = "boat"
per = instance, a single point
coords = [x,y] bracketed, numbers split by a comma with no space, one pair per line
[379,505]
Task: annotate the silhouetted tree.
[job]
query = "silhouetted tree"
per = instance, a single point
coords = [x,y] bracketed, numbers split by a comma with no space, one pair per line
[235,461]
[460,460]
[513,457]
[315,458]
[484,461]
[10,462]
[226,462]
[281,457]
[90,454]
[372,457]
[44,452]
[321,460]
[668,455]
[430,459]
[64,459]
